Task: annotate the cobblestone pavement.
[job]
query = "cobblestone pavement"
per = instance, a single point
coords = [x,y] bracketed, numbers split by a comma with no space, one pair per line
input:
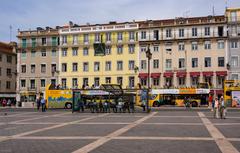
[169,131]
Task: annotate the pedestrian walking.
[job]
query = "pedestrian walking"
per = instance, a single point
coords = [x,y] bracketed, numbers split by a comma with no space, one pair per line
[43,103]
[132,109]
[222,108]
[100,106]
[81,105]
[216,108]
[38,101]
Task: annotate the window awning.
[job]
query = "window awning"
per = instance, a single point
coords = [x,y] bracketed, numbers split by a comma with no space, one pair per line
[207,73]
[181,74]
[221,73]
[194,74]
[168,74]
[143,75]
[155,75]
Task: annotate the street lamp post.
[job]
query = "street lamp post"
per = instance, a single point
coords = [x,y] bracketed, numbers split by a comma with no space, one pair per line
[149,57]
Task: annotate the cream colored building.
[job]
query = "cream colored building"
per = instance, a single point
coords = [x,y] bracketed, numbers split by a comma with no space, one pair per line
[37,62]
[185,51]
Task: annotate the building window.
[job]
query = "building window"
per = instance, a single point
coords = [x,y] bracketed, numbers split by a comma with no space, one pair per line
[24,43]
[43,68]
[131,35]
[233,16]
[108,36]
[85,81]
[220,44]
[108,50]
[33,53]
[9,59]
[207,61]
[43,82]
[97,37]
[64,83]
[119,36]
[53,81]
[74,51]
[53,68]
[33,67]
[44,53]
[119,49]
[220,81]
[234,61]
[119,80]
[143,64]
[23,83]
[234,44]
[194,32]
[75,39]
[64,67]
[207,45]
[194,46]
[194,81]
[96,82]
[9,72]
[64,52]
[131,64]
[54,41]
[64,40]
[168,64]
[24,68]
[181,46]
[85,51]
[96,66]
[234,77]
[143,35]
[131,48]
[143,81]
[108,79]
[119,65]
[194,62]
[24,54]
[32,84]
[8,85]
[168,47]
[181,32]
[143,49]
[207,31]
[85,67]
[155,48]
[108,66]
[85,38]
[155,63]
[181,63]
[54,53]
[74,82]
[131,82]
[220,61]
[169,33]
[181,81]
[74,67]
[155,81]
[156,35]
[44,41]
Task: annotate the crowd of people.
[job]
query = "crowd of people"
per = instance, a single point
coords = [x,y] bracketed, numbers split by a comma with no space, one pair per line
[107,106]
[41,103]
[219,108]
[7,102]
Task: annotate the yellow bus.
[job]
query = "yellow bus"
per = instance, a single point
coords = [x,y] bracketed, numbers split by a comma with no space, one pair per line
[196,96]
[232,93]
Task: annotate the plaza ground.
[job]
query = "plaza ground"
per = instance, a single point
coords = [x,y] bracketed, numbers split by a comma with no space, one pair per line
[165,131]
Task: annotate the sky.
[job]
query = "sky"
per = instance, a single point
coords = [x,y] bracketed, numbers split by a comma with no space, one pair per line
[30,14]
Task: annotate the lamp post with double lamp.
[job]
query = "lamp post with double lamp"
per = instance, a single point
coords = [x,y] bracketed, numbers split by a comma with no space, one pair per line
[149,57]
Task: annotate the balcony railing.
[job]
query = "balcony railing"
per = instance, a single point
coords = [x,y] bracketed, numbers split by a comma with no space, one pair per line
[38,44]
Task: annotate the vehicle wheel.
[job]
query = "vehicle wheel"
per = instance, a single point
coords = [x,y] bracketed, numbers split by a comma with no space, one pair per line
[194,104]
[68,105]
[155,104]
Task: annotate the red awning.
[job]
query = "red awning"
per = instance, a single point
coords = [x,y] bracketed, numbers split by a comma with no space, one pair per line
[181,74]
[155,75]
[194,74]
[221,73]
[143,75]
[207,73]
[216,91]
[168,74]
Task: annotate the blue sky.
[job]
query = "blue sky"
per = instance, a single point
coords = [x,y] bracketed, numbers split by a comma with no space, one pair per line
[29,14]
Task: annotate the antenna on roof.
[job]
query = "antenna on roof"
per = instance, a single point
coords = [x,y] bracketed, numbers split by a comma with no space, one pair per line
[213,11]
[226,4]
[10,34]
[186,14]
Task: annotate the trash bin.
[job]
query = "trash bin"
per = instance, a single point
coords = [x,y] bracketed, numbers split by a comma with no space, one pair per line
[19,104]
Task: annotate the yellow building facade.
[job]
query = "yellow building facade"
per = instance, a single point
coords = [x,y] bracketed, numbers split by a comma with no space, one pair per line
[80,65]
